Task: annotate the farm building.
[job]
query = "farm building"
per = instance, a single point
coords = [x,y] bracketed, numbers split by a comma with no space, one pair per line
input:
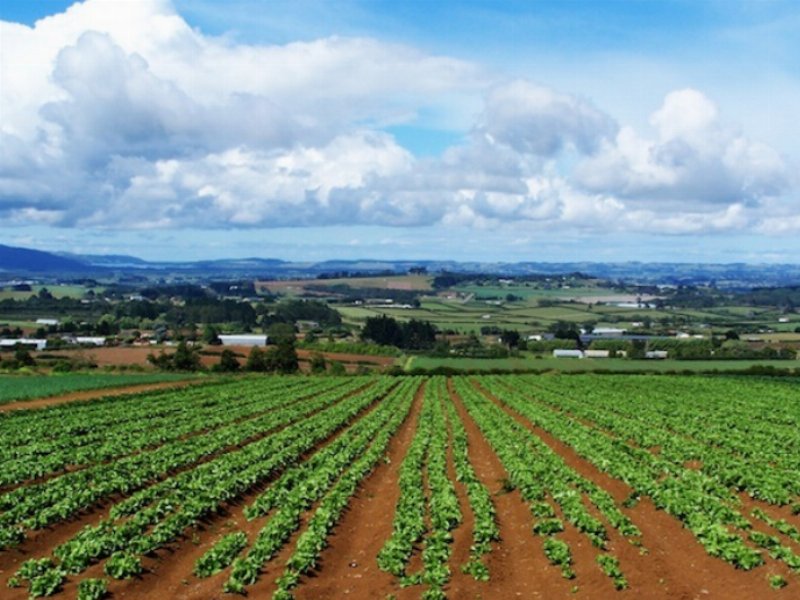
[607,332]
[567,353]
[90,340]
[244,339]
[38,344]
[47,322]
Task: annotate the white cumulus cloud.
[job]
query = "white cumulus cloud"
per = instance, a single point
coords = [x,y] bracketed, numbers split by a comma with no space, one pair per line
[694,159]
[120,114]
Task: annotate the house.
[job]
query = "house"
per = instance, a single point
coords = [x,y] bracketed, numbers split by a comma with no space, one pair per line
[244,339]
[567,353]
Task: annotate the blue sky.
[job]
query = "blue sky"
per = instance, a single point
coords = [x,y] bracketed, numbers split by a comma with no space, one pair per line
[506,130]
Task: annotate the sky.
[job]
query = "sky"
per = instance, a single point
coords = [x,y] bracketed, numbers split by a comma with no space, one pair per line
[468,130]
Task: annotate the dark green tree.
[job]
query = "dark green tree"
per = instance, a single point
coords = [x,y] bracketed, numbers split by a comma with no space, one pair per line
[279,332]
[337,368]
[185,358]
[23,357]
[256,361]
[383,330]
[228,362]
[211,335]
[283,357]
[317,363]
[510,338]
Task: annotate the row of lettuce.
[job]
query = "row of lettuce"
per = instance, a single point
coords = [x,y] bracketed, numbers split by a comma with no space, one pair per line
[718,455]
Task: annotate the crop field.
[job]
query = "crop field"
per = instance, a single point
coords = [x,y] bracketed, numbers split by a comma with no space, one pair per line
[24,387]
[551,486]
[527,362]
[58,291]
[298,286]
[470,316]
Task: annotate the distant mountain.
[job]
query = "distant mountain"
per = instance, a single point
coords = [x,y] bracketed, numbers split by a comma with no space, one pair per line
[106,260]
[734,275]
[25,260]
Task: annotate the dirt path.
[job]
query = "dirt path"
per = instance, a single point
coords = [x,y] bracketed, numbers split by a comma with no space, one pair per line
[676,565]
[42,542]
[93,394]
[464,533]
[517,565]
[169,572]
[348,567]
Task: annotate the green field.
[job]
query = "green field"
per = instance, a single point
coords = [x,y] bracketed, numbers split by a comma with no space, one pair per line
[58,291]
[25,387]
[293,287]
[574,365]
[18,323]
[530,291]
[469,317]
[528,317]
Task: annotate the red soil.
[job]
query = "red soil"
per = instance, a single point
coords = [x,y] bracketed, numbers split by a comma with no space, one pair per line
[676,565]
[110,356]
[91,394]
[137,355]
[348,567]
[170,573]
[517,565]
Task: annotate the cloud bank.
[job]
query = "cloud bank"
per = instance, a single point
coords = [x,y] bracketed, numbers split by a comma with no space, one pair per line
[120,115]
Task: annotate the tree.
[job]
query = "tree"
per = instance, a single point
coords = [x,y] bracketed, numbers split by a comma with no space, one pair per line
[228,362]
[510,338]
[318,364]
[23,357]
[386,331]
[256,361]
[383,330]
[162,361]
[566,331]
[278,332]
[185,358]
[418,335]
[211,335]
[337,368]
[283,357]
